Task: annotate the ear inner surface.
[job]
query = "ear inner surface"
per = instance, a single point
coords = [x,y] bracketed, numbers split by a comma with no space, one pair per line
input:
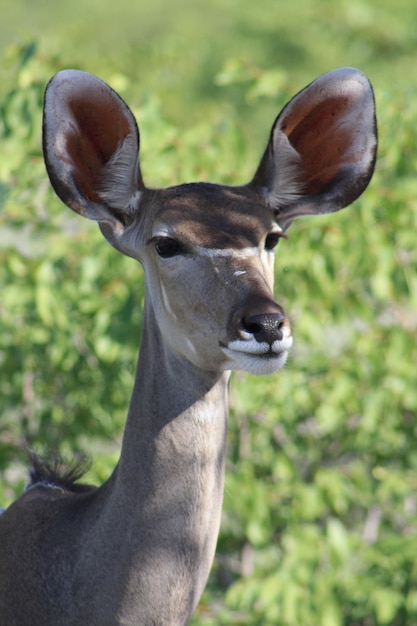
[87,130]
[331,126]
[327,139]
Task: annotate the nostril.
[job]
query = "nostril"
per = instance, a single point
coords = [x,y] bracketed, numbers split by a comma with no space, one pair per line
[252,327]
[265,328]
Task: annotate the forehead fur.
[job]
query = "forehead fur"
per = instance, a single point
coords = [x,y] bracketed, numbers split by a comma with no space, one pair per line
[213,216]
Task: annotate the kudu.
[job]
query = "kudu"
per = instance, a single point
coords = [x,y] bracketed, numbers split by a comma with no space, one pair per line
[138,549]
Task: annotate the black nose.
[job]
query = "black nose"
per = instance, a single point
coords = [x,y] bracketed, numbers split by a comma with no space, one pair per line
[267,327]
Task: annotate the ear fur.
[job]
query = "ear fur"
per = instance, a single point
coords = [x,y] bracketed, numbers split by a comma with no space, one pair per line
[322,149]
[91,148]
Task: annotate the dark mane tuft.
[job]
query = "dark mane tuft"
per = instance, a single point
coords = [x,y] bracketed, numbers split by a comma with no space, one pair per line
[58,472]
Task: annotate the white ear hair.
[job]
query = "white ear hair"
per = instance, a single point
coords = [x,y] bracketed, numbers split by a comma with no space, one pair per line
[119,177]
[322,149]
[91,149]
[286,180]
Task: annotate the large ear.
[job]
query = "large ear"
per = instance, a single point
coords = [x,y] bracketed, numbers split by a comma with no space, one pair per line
[322,148]
[91,148]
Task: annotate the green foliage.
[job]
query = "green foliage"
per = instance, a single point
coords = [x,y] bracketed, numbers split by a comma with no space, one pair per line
[320,511]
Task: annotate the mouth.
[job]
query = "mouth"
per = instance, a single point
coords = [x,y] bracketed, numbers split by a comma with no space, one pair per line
[257,357]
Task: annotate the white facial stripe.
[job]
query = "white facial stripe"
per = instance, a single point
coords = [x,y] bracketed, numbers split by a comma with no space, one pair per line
[190,345]
[166,302]
[243,253]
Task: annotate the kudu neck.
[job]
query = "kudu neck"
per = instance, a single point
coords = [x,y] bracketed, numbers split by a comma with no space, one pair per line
[169,481]
[168,386]
[177,418]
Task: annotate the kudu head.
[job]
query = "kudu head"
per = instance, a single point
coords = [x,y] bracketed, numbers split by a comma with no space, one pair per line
[208,249]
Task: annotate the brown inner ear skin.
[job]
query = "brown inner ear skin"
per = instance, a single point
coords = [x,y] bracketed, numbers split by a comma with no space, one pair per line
[96,135]
[321,157]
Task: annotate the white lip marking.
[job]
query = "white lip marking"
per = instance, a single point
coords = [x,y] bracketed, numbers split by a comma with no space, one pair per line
[239,273]
[243,253]
[254,363]
[260,348]
[257,358]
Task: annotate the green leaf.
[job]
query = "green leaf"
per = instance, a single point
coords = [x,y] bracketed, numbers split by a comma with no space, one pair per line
[386,603]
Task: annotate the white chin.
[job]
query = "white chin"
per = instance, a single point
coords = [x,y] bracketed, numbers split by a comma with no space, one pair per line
[255,363]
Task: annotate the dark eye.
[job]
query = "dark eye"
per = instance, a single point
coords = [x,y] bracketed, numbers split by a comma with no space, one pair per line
[167,247]
[272,240]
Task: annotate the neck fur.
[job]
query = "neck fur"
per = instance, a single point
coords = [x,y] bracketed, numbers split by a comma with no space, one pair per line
[169,481]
